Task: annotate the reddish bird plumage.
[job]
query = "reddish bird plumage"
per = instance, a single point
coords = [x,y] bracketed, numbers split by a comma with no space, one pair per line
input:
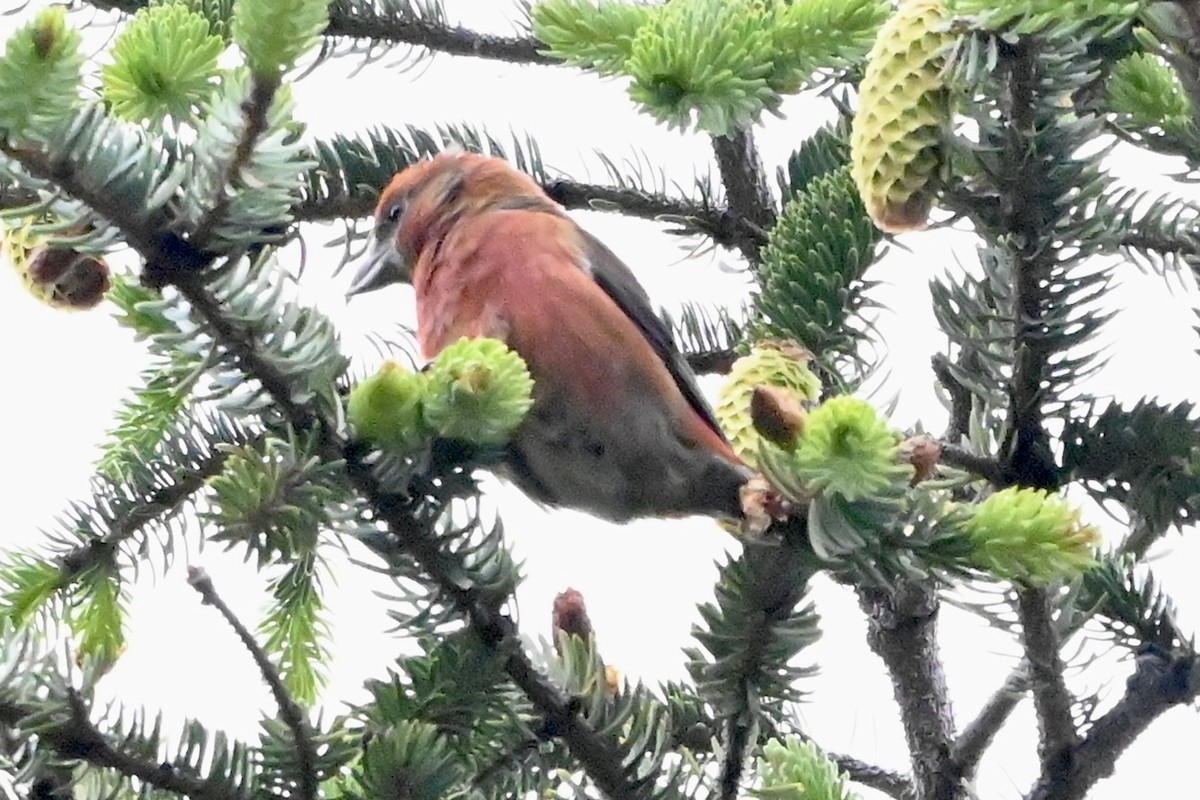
[618,426]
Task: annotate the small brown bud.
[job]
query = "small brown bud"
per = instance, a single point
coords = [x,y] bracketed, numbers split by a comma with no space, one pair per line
[66,278]
[924,453]
[612,679]
[569,616]
[777,415]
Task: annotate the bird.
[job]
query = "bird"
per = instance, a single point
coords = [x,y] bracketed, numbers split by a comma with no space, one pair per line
[618,427]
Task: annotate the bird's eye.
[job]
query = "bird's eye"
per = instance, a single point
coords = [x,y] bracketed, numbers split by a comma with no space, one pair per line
[395,211]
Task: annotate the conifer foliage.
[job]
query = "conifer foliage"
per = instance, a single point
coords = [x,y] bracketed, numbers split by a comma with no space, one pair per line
[179,142]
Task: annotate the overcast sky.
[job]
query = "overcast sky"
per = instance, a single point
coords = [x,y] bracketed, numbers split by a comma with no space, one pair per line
[67,373]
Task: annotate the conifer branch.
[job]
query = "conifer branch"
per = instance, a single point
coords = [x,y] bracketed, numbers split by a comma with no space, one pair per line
[746,189]
[903,632]
[1056,728]
[983,466]
[978,735]
[1026,453]
[1159,682]
[893,784]
[13,195]
[161,502]
[359,21]
[975,739]
[712,362]
[959,425]
[727,226]
[722,225]
[452,39]
[155,246]
[254,113]
[293,715]
[72,736]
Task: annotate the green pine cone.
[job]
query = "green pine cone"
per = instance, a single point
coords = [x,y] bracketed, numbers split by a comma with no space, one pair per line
[1030,535]
[385,409]
[770,363]
[848,449]
[164,64]
[796,770]
[896,137]
[707,61]
[479,391]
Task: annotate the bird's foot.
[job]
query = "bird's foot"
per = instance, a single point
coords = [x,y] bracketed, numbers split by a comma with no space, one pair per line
[762,505]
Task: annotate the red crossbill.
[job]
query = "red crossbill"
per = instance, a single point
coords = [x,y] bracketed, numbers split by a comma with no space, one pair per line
[618,426]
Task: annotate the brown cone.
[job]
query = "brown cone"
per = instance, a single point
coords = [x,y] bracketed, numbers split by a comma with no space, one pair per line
[569,616]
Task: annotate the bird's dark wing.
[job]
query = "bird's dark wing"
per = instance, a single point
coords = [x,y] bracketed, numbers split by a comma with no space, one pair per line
[619,283]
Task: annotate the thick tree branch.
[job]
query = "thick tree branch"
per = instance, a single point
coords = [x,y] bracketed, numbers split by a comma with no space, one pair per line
[975,739]
[1056,727]
[72,736]
[959,425]
[978,735]
[728,227]
[1159,682]
[883,780]
[903,632]
[14,196]
[357,22]
[712,362]
[721,225]
[254,113]
[292,714]
[983,466]
[746,189]
[778,577]
[1026,452]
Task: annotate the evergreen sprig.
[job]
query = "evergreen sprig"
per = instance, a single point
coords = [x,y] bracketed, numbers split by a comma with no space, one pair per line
[1143,456]
[811,280]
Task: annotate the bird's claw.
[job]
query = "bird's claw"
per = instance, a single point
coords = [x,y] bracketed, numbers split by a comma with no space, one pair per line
[762,505]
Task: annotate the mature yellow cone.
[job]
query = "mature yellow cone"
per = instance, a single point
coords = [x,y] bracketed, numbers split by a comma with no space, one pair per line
[772,363]
[903,111]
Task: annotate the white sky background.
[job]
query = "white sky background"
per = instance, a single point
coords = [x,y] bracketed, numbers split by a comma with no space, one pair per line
[67,373]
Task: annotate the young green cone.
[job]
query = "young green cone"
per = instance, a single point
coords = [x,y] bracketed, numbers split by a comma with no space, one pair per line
[385,409]
[479,391]
[1030,535]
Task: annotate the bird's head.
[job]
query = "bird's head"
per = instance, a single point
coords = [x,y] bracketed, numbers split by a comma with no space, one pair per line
[424,201]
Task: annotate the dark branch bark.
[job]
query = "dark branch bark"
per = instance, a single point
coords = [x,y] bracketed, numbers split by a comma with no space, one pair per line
[1159,682]
[289,710]
[746,191]
[1026,451]
[163,501]
[903,632]
[712,362]
[960,400]
[1056,728]
[890,783]
[726,226]
[14,196]
[73,737]
[960,458]
[452,39]
[969,748]
[721,225]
